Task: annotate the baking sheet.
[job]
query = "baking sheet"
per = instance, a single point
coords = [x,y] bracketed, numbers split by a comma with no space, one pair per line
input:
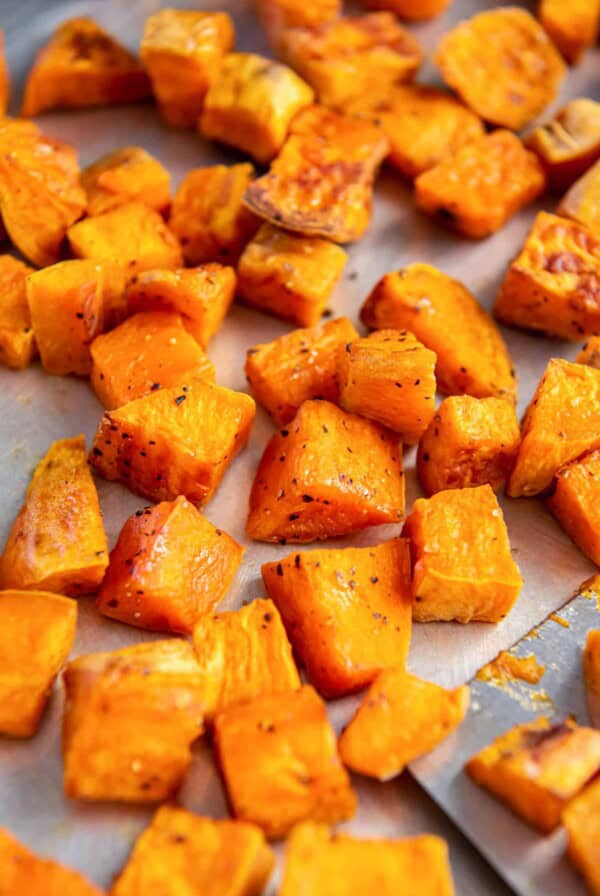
[36,409]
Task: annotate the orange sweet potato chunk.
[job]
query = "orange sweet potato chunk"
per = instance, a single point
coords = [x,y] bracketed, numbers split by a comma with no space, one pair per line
[276,16]
[21,871]
[347,612]
[538,768]
[289,275]
[400,719]
[572,26]
[198,855]
[57,541]
[582,202]
[503,65]
[296,773]
[38,629]
[329,473]
[296,367]
[173,442]
[411,10]
[576,502]
[321,183]
[169,566]
[469,442]
[479,582]
[560,424]
[590,353]
[126,175]
[472,357]
[4,78]
[569,143]
[17,342]
[82,65]
[591,673]
[581,818]
[182,50]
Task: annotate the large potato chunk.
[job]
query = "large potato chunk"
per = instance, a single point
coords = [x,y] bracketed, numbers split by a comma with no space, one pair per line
[22,872]
[126,175]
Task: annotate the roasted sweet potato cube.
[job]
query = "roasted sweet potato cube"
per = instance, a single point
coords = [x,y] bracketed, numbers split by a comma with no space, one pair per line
[481,185]
[479,583]
[591,674]
[173,442]
[389,377]
[573,27]
[4,77]
[276,16]
[503,65]
[197,855]
[537,768]
[348,57]
[57,541]
[296,367]
[472,357]
[82,65]
[38,629]
[328,474]
[296,773]
[321,183]
[208,215]
[347,612]
[245,654]
[289,275]
[582,202]
[317,861]
[169,566]
[400,719]
[21,871]
[130,718]
[17,342]
[590,352]
[251,104]
[569,143]
[575,502]
[201,296]
[469,442]
[126,175]
[560,424]
[581,818]
[411,10]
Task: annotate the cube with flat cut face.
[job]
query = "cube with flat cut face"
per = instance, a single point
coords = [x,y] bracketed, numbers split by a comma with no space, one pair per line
[572,26]
[25,872]
[569,143]
[17,343]
[129,174]
[576,502]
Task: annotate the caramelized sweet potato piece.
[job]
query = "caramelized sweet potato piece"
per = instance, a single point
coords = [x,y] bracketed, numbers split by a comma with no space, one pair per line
[173,442]
[569,143]
[251,104]
[184,853]
[590,353]
[4,77]
[295,774]
[82,65]
[347,612]
[582,821]
[411,10]
[182,50]
[537,768]
[576,502]
[38,629]
[130,718]
[503,65]
[57,541]
[591,674]
[296,367]
[276,16]
[469,442]
[21,871]
[472,357]
[126,175]
[17,342]
[321,183]
[560,424]
[478,583]
[572,26]
[329,473]
[582,202]
[400,719]
[169,566]
[289,275]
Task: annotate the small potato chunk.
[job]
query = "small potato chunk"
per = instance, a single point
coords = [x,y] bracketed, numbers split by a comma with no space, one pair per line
[469,442]
[276,16]
[130,718]
[321,184]
[22,872]
[245,654]
[296,367]
[483,184]
[472,357]
[463,569]
[502,64]
[400,719]
[17,342]
[251,104]
[38,629]
[581,818]
[349,57]
[575,502]
[289,275]
[335,864]
[347,612]
[591,674]
[590,353]
[560,424]
[572,26]
[57,541]
[329,473]
[83,65]
[538,768]
[208,215]
[582,202]
[4,78]
[172,442]
[169,566]
[182,50]
[569,143]
[389,377]
[202,296]
[126,175]
[295,773]
[184,853]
